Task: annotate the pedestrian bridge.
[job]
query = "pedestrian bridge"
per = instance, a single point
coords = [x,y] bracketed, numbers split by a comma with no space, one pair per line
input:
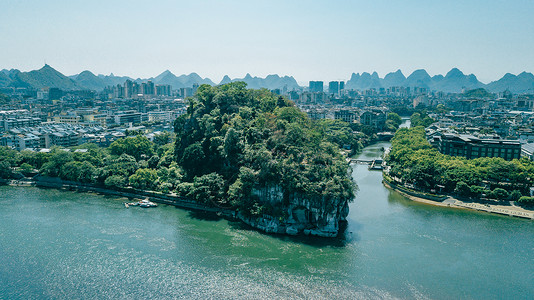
[374,164]
[362,161]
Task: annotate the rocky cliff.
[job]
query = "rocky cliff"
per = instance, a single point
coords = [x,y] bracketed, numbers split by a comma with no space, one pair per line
[298,214]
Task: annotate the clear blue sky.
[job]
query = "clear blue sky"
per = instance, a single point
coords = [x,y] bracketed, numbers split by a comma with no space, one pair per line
[311,40]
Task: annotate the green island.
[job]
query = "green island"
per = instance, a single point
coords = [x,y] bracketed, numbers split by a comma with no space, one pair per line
[415,164]
[248,151]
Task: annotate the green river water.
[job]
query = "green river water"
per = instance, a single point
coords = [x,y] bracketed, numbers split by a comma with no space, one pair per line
[63,244]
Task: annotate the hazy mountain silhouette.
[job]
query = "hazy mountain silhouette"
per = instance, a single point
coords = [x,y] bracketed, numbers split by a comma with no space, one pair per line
[454,81]
[90,81]
[44,77]
[364,82]
[167,77]
[419,78]
[226,79]
[393,79]
[111,79]
[522,83]
[4,79]
[270,82]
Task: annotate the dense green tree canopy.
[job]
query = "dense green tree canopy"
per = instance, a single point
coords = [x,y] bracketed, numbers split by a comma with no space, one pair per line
[421,119]
[393,122]
[138,146]
[415,161]
[243,138]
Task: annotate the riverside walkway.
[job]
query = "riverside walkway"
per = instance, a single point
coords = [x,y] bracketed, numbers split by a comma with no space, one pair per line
[448,201]
[513,211]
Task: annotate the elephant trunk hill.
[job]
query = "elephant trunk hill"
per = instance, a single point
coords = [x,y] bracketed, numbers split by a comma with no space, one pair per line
[255,152]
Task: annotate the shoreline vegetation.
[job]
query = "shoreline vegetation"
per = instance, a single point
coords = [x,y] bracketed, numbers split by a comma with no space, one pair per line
[131,193]
[491,184]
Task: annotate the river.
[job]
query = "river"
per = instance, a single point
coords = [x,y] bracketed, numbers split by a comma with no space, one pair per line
[64,244]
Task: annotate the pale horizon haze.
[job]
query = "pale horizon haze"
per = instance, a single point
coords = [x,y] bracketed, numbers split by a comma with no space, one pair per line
[310,40]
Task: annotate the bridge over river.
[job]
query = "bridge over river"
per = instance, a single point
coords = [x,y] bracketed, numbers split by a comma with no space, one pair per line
[374,164]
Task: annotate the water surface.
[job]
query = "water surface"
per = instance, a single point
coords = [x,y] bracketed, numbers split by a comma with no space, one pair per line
[62,244]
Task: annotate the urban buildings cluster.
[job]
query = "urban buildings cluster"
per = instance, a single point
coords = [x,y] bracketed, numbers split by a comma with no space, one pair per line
[471,126]
[134,90]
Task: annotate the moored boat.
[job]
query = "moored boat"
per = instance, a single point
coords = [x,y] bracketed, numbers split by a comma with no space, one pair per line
[146,203]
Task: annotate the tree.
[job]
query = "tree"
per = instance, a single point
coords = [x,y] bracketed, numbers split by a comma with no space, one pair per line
[499,194]
[115,181]
[233,146]
[144,179]
[10,156]
[393,121]
[78,171]
[478,191]
[341,134]
[125,165]
[228,129]
[515,195]
[164,138]
[463,189]
[139,147]
[208,189]
[421,119]
[526,201]
[193,160]
[4,99]
[441,109]
[26,169]
[414,160]
[58,159]
[5,170]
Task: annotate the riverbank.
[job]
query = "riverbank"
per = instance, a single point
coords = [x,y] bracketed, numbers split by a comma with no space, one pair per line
[169,199]
[513,211]
[265,223]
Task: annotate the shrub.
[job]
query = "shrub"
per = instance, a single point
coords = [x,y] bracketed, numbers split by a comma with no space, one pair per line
[499,194]
[526,201]
[515,195]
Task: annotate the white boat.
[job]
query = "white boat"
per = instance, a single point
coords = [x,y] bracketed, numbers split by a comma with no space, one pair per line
[146,203]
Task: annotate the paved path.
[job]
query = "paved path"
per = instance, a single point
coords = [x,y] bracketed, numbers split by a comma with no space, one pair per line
[514,211]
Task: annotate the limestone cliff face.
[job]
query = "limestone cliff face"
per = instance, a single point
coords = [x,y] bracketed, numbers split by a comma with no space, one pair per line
[317,217]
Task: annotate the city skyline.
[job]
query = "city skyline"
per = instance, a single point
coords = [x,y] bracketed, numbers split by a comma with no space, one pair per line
[307,40]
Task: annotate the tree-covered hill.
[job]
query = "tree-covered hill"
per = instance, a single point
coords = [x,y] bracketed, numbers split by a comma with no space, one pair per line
[257,152]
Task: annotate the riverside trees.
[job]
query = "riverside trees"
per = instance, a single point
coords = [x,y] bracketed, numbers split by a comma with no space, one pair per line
[414,161]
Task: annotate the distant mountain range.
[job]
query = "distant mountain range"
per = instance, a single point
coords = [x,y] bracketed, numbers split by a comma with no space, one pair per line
[454,81]
[270,82]
[44,77]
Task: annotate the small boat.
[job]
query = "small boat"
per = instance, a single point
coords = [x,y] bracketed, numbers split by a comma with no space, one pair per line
[126,205]
[146,203]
